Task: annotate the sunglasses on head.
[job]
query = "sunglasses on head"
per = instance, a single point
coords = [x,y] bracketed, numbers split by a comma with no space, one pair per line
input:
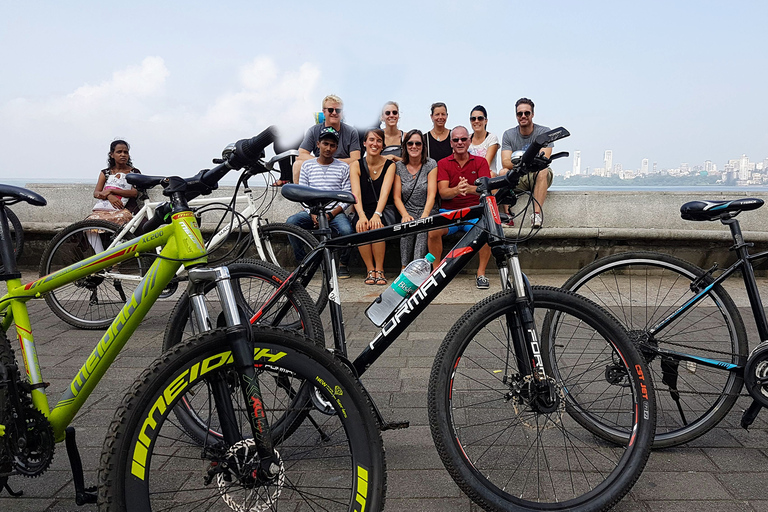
[460,139]
[331,110]
[414,143]
[527,113]
[477,118]
[390,112]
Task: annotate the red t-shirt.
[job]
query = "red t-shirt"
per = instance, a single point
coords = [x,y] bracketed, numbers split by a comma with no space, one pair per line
[448,169]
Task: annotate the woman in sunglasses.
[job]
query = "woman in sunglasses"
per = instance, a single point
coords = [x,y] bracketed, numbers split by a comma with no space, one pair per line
[393,136]
[483,143]
[414,192]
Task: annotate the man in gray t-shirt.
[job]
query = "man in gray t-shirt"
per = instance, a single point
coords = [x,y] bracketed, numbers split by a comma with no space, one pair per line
[349,143]
[519,138]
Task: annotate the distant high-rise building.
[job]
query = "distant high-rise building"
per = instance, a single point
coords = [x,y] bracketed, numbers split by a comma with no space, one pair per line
[608,161]
[685,169]
[644,166]
[744,173]
[576,163]
[708,166]
[655,167]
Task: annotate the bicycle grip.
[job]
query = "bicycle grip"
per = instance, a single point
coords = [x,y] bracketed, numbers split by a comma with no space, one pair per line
[249,150]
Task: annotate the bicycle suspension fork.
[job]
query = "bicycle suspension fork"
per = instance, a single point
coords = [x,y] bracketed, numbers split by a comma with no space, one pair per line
[242,348]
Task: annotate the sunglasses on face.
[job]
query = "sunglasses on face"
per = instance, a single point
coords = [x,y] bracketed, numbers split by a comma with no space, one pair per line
[414,143]
[390,112]
[478,118]
[527,113]
[331,110]
[460,139]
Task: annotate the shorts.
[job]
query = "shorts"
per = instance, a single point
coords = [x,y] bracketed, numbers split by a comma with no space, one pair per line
[460,227]
[527,181]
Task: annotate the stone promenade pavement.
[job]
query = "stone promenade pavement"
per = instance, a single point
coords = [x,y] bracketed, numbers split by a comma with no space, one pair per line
[726,469]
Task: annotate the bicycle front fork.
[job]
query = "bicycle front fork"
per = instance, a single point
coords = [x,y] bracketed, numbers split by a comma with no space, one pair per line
[242,348]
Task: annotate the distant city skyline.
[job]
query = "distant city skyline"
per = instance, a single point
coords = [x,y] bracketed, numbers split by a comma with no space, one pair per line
[740,169]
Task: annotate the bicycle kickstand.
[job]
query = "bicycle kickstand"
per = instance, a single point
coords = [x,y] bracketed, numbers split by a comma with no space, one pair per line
[750,414]
[83,494]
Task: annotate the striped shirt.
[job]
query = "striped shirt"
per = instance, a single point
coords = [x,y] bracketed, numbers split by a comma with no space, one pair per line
[334,176]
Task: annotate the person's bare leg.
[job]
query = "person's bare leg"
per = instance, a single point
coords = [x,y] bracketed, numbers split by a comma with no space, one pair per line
[367,254]
[435,244]
[483,258]
[540,190]
[379,249]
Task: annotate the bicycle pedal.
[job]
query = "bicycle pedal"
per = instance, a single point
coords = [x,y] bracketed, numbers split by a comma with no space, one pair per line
[4,485]
[395,425]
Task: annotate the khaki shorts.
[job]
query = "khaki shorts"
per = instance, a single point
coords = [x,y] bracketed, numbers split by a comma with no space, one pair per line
[527,182]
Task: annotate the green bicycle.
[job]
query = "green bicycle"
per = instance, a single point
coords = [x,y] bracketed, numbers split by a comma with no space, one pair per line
[248,388]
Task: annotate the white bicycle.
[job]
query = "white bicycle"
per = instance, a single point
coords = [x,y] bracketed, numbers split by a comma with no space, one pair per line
[93,302]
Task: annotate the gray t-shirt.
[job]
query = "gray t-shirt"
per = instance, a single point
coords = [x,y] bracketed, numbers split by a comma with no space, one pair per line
[349,141]
[414,191]
[513,141]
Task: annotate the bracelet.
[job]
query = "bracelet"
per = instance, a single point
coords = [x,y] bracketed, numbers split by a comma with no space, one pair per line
[377,213]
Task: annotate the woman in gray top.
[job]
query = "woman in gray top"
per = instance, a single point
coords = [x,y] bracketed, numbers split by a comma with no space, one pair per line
[414,192]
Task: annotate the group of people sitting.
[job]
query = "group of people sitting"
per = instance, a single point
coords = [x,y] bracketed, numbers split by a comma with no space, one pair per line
[402,176]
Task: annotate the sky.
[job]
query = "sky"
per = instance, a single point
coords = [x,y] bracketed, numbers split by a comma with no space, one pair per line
[669,81]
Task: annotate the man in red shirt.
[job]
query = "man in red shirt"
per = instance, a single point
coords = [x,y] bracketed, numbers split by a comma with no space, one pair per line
[456,175]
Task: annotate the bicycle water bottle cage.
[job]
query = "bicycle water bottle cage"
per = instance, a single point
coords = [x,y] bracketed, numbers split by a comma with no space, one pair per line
[316,199]
[715,210]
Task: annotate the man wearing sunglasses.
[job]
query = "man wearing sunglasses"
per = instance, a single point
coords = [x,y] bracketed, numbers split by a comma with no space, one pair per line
[349,142]
[456,175]
[518,139]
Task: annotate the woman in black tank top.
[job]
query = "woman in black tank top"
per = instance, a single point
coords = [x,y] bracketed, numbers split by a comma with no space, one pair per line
[438,138]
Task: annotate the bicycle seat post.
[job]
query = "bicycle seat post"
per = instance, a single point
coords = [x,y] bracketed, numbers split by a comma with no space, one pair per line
[6,248]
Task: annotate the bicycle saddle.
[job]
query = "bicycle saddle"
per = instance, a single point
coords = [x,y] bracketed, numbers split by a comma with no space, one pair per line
[714,210]
[315,197]
[11,195]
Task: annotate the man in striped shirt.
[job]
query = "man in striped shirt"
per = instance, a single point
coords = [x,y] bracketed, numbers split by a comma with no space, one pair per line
[326,173]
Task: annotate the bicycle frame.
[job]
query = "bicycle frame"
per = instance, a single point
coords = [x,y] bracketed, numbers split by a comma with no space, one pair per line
[456,259]
[743,263]
[181,240]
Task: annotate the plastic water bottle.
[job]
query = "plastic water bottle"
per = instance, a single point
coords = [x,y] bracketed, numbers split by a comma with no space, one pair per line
[401,288]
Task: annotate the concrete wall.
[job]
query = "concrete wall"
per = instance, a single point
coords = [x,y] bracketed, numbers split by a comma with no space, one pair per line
[579,225]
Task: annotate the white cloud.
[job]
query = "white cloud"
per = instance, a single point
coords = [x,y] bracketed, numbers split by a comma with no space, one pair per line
[68,134]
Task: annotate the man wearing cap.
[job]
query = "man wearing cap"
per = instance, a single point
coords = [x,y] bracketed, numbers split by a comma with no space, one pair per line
[348,148]
[325,173]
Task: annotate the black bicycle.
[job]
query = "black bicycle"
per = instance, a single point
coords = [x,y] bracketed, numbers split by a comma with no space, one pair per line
[522,379]
[687,326]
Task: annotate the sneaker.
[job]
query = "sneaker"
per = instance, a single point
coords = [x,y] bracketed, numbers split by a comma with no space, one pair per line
[343,272]
[482,283]
[536,220]
[510,223]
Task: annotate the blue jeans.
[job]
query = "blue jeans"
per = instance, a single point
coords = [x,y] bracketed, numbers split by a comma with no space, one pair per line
[340,226]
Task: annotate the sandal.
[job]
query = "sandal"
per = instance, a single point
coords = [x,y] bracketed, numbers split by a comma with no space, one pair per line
[381,280]
[371,277]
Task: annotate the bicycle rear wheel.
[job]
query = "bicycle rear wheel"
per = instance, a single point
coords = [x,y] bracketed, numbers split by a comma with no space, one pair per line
[334,463]
[506,449]
[641,289]
[276,240]
[17,235]
[93,301]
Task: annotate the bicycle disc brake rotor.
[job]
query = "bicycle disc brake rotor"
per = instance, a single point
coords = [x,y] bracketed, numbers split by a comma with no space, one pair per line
[531,398]
[756,374]
[243,462]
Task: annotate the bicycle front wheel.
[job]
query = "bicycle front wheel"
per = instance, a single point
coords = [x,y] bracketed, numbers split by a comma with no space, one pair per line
[642,289]
[94,301]
[507,447]
[334,462]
